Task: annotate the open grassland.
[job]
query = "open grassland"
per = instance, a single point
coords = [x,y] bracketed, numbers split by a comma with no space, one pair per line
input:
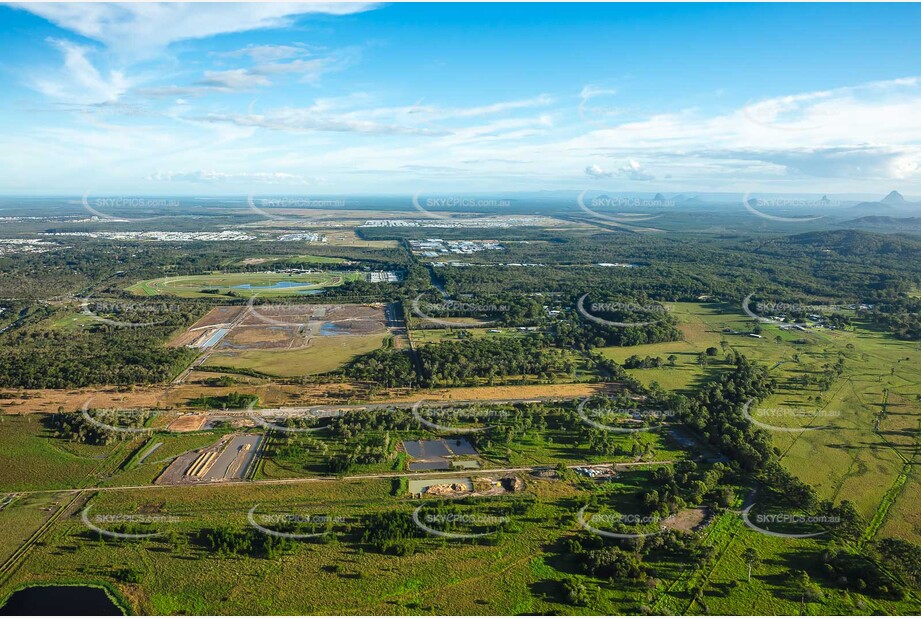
[338,237]
[424,336]
[20,518]
[700,326]
[72,322]
[857,436]
[33,458]
[865,424]
[241,284]
[330,577]
[322,354]
[726,589]
[140,470]
[904,516]
[518,572]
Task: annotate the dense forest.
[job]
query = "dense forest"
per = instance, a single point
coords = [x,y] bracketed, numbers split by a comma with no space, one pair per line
[37,354]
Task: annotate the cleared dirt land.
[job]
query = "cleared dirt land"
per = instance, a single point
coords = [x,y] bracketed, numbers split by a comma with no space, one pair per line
[291,340]
[228,459]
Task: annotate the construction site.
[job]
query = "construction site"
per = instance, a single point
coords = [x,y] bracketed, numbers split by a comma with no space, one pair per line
[229,459]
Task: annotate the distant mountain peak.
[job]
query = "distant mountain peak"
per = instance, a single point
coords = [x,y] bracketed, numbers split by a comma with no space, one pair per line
[659,197]
[894,197]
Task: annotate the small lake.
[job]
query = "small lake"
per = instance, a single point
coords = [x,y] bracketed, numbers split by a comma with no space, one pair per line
[330,329]
[60,601]
[276,286]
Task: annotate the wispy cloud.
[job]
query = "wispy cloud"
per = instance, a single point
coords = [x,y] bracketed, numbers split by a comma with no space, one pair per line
[136,31]
[268,53]
[79,81]
[131,33]
[212,177]
[306,119]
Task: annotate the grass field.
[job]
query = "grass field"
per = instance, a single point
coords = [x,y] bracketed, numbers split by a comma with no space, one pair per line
[848,457]
[32,458]
[136,472]
[422,336]
[21,518]
[517,573]
[241,284]
[701,326]
[323,354]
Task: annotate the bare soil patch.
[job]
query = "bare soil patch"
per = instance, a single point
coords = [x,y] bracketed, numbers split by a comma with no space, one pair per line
[188,422]
[687,520]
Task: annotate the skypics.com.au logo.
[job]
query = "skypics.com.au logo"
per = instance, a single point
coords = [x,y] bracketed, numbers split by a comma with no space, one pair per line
[600,524]
[794,520]
[597,204]
[761,207]
[290,313]
[98,207]
[117,420]
[620,307]
[428,312]
[93,308]
[444,207]
[786,413]
[131,524]
[264,207]
[779,310]
[293,526]
[296,422]
[448,414]
[633,420]
[443,524]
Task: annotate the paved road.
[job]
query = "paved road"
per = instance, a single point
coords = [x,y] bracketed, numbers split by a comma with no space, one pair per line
[325,411]
[356,477]
[198,362]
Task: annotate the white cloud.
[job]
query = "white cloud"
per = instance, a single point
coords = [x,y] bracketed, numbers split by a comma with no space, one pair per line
[494,108]
[869,131]
[346,115]
[80,81]
[308,119]
[235,79]
[137,31]
[269,53]
[210,177]
[596,171]
[258,76]
[632,171]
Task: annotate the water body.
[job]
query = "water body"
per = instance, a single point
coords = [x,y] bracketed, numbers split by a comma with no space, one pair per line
[215,338]
[277,286]
[433,449]
[430,464]
[60,601]
[330,329]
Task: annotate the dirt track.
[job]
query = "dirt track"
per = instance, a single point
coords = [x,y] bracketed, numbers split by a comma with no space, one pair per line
[270,395]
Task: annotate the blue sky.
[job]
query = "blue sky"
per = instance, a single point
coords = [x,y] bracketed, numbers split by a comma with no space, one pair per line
[364,98]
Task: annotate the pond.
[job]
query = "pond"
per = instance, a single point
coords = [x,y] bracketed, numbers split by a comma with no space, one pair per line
[60,601]
[276,286]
